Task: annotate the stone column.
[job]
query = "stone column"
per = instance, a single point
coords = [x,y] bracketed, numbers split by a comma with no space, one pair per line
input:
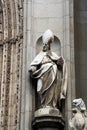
[48,119]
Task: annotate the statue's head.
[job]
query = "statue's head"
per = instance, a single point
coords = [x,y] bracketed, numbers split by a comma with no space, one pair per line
[47,39]
[79,104]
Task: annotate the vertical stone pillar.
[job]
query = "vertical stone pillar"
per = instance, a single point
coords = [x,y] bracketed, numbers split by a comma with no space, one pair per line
[68,53]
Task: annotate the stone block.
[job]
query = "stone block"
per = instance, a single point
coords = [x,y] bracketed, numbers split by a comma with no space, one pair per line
[66,37]
[28,23]
[30,55]
[55,10]
[25,9]
[69,68]
[67,8]
[72,70]
[40,24]
[48,10]
[28,104]
[55,24]
[22,120]
[67,52]
[72,55]
[28,120]
[23,102]
[28,38]
[39,10]
[73,87]
[48,1]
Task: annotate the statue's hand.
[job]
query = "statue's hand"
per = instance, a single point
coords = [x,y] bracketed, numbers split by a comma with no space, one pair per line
[32,69]
[60,61]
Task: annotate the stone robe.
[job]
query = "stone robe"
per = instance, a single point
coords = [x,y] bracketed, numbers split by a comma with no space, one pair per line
[51,78]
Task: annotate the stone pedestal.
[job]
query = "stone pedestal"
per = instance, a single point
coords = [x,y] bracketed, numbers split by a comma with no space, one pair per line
[48,119]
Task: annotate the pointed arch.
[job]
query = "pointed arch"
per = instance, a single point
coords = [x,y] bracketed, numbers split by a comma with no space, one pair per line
[55,46]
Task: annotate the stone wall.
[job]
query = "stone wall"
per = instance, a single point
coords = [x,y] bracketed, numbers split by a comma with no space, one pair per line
[40,15]
[17,96]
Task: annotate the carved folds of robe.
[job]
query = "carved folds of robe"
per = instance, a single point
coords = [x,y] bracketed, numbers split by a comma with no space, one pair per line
[51,78]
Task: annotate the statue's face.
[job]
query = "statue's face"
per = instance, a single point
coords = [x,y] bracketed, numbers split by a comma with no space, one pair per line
[46,46]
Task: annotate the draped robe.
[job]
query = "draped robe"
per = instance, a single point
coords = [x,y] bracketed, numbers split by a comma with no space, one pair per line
[51,78]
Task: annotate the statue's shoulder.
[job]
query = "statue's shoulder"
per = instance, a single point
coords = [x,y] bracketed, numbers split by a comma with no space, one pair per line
[37,60]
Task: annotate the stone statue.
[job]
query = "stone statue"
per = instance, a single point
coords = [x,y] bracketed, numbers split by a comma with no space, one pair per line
[50,72]
[79,119]
[79,103]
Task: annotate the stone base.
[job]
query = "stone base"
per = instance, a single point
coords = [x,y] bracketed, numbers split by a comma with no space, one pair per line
[48,119]
[48,111]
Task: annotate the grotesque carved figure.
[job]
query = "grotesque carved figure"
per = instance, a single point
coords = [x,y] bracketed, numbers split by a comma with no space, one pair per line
[79,103]
[50,72]
[79,119]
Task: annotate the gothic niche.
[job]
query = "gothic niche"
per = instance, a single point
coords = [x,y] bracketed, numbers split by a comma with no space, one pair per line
[55,47]
[49,70]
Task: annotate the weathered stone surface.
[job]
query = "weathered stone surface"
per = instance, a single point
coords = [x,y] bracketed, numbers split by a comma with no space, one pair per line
[11,38]
[58,16]
[79,117]
[48,111]
[48,123]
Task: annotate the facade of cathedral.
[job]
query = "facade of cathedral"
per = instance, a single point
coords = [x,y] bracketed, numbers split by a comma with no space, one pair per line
[22,23]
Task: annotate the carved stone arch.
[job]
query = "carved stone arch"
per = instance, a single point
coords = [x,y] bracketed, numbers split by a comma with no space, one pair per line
[12,18]
[11,42]
[1,33]
[55,46]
